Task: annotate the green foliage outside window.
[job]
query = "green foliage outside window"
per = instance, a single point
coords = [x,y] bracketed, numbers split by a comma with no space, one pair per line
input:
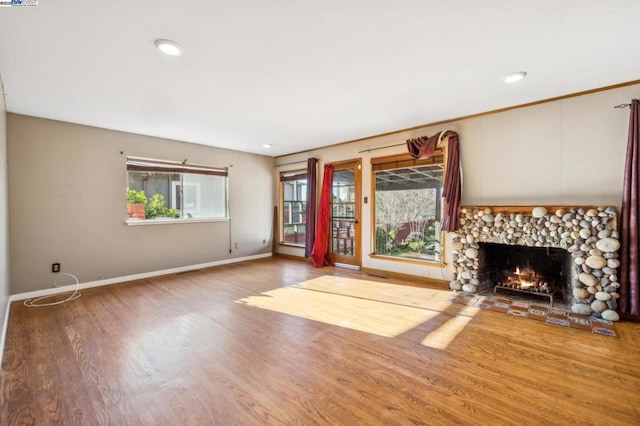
[154,207]
[136,197]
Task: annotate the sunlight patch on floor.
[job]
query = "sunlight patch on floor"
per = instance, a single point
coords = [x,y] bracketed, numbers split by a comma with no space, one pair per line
[418,297]
[382,309]
[444,335]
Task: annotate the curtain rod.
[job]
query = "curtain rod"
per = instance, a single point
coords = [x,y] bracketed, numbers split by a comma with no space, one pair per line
[442,133]
[172,162]
[288,164]
[382,147]
[624,105]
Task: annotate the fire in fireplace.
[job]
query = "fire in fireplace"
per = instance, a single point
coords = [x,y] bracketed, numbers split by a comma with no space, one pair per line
[524,271]
[525,279]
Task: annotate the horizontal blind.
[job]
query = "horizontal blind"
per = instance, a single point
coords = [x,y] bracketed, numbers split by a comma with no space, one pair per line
[291,176]
[405,161]
[159,166]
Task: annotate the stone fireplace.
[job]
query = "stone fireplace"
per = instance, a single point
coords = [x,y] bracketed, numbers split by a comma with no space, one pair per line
[576,260]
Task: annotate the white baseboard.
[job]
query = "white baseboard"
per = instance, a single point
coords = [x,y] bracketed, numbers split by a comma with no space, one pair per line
[117,280]
[347,266]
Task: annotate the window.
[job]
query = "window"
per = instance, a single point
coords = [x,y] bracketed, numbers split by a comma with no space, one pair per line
[165,190]
[293,196]
[408,207]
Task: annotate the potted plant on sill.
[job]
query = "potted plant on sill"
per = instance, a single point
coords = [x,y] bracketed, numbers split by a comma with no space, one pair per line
[136,201]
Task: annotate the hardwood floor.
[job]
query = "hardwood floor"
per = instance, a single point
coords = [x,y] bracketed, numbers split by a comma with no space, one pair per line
[275,341]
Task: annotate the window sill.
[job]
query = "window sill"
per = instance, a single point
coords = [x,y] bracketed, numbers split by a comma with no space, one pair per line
[140,222]
[300,246]
[433,263]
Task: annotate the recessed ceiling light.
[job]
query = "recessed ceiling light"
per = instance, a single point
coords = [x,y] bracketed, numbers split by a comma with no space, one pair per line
[515,76]
[266,145]
[168,47]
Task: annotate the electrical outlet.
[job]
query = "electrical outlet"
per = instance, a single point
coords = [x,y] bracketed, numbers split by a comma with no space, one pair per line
[55,267]
[264,241]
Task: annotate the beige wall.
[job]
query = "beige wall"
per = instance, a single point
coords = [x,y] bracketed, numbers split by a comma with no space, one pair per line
[567,152]
[67,204]
[4,214]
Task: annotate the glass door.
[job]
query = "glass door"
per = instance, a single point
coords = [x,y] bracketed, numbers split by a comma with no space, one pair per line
[345,213]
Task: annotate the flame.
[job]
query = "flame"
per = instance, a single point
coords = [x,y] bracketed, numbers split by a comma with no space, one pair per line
[526,279]
[523,278]
[526,283]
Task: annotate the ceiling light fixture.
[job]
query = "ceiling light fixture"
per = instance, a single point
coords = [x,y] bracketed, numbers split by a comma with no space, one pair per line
[515,76]
[168,47]
[266,145]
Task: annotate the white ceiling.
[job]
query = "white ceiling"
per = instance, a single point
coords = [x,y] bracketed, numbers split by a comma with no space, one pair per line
[304,74]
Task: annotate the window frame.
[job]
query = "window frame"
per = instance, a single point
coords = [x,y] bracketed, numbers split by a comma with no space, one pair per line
[143,165]
[287,176]
[401,161]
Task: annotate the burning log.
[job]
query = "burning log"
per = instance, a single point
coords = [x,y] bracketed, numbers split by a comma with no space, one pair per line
[525,280]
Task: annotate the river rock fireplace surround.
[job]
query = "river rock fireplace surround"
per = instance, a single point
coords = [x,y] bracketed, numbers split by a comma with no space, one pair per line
[587,234]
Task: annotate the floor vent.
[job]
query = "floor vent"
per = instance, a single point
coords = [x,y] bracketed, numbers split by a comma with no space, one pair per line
[378,276]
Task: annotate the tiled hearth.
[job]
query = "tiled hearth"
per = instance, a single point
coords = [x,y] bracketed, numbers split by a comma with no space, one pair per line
[587,234]
[555,316]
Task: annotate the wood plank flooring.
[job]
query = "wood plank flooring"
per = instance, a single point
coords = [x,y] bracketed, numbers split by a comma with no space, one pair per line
[275,341]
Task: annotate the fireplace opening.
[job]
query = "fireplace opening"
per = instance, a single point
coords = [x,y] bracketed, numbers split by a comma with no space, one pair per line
[541,273]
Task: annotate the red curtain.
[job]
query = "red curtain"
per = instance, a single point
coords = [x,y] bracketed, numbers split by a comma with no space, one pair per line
[629,303]
[422,148]
[452,184]
[320,253]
